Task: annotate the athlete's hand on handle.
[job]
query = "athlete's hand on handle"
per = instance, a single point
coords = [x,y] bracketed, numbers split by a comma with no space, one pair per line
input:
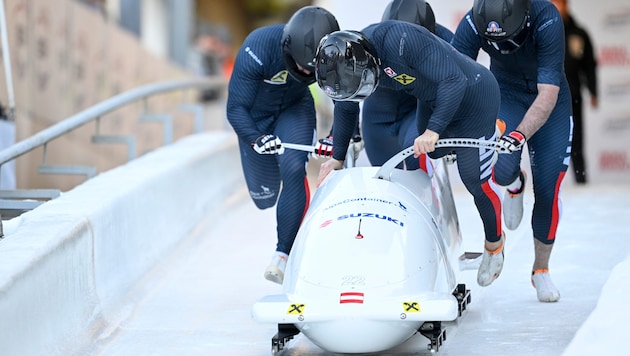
[324,147]
[425,143]
[268,144]
[512,142]
[327,167]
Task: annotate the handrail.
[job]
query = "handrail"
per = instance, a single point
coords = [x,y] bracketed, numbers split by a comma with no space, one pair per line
[94,112]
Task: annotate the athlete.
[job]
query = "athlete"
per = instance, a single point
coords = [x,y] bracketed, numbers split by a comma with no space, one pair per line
[458,98]
[269,99]
[525,42]
[389,116]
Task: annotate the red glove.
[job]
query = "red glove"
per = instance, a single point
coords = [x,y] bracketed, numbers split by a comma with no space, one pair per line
[512,142]
[324,147]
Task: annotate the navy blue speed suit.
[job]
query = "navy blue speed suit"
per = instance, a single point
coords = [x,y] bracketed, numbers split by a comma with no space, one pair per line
[458,98]
[264,99]
[539,61]
[389,120]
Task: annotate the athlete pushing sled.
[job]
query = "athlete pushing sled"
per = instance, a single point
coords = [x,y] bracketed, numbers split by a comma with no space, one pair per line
[375,261]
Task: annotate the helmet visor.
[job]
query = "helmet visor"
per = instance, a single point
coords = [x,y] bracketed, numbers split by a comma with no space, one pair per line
[356,91]
[345,80]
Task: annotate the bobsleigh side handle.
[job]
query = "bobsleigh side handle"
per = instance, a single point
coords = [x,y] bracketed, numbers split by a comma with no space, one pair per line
[385,172]
[296,146]
[348,163]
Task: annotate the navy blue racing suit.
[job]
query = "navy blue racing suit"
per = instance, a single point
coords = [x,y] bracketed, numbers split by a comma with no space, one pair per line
[388,121]
[539,61]
[264,99]
[458,98]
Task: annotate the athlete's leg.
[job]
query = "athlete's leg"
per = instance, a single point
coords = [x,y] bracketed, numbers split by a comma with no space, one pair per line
[550,151]
[296,126]
[262,176]
[381,141]
[549,154]
[507,171]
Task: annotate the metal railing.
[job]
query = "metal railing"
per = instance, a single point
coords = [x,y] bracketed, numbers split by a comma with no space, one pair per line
[14,202]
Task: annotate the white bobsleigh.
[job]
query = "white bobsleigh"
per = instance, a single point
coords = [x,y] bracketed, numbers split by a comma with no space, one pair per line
[375,261]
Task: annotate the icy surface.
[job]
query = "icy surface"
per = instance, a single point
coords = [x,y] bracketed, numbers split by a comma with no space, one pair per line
[198,301]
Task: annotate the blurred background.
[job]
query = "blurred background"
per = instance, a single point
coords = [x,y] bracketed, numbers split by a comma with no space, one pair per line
[67,55]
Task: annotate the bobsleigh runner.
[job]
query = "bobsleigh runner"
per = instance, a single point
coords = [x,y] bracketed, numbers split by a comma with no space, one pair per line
[375,261]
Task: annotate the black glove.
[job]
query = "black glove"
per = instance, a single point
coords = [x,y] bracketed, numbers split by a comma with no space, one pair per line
[324,147]
[268,144]
[512,142]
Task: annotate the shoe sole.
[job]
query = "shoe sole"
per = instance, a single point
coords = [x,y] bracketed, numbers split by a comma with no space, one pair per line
[274,276]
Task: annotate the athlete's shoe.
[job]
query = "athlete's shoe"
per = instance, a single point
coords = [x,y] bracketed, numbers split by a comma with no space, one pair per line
[275,270]
[513,204]
[545,289]
[491,265]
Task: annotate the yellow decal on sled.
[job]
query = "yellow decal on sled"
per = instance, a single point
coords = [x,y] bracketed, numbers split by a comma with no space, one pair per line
[296,309]
[404,79]
[411,307]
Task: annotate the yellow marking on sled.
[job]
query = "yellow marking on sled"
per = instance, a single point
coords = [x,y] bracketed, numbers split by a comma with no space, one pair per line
[411,307]
[296,309]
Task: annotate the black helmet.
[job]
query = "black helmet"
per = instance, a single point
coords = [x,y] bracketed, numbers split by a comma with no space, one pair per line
[300,38]
[347,66]
[503,23]
[414,11]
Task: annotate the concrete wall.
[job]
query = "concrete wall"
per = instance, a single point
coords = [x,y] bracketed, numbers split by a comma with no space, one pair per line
[66,57]
[66,265]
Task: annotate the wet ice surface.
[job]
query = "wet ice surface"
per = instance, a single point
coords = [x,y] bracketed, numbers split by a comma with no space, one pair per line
[198,300]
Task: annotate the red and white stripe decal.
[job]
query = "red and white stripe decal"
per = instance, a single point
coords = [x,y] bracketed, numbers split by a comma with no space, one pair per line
[325,223]
[351,297]
[556,210]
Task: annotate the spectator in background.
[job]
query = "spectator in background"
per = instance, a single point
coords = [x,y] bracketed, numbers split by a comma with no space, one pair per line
[211,56]
[580,67]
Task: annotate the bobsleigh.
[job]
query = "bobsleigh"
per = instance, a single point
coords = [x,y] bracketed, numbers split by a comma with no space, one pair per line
[375,261]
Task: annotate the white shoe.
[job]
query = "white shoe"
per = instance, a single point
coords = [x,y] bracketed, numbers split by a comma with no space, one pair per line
[513,205]
[545,289]
[275,270]
[491,265]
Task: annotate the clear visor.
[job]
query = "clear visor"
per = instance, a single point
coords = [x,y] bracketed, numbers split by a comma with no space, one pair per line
[366,87]
[346,89]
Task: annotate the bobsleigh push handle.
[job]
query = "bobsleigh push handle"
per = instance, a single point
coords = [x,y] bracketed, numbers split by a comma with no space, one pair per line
[386,169]
[349,161]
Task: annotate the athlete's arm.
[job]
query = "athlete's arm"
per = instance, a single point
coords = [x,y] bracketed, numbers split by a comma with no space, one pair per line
[539,111]
[549,36]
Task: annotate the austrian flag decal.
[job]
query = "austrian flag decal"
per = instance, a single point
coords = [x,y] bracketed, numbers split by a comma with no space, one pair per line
[390,72]
[351,297]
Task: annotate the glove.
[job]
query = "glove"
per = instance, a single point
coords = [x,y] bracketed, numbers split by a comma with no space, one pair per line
[357,145]
[268,144]
[324,147]
[512,142]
